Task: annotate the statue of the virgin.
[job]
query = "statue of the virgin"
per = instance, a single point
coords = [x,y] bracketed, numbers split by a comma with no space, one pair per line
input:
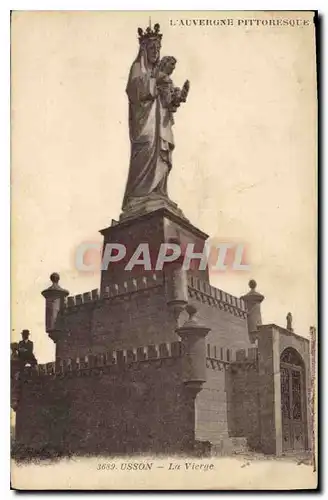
[150,128]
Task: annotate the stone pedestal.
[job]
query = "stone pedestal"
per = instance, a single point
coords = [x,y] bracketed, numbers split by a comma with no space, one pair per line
[152,228]
[151,203]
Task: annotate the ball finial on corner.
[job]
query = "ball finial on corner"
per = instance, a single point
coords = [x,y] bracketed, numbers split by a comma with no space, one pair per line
[191,310]
[54,277]
[252,284]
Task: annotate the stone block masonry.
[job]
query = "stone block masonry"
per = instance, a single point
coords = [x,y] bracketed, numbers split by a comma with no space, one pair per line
[108,404]
[137,309]
[133,374]
[227,406]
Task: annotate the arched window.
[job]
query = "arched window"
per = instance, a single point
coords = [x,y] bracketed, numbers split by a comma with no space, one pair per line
[292,357]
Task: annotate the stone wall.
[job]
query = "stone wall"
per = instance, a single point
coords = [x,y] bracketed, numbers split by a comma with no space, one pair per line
[228,405]
[244,400]
[113,405]
[222,312]
[129,313]
[211,408]
[135,312]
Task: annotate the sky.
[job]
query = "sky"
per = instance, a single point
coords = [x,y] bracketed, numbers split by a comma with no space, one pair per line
[244,166]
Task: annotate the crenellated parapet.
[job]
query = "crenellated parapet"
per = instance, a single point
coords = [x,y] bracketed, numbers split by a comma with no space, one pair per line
[246,355]
[219,358]
[116,290]
[104,362]
[206,293]
[59,304]
[245,360]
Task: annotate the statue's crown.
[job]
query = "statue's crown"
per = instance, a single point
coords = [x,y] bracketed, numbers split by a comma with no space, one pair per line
[149,34]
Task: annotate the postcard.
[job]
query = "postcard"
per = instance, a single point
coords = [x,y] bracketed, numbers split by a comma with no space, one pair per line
[164,243]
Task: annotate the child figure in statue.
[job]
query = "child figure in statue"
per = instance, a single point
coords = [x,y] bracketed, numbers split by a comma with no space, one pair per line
[170,96]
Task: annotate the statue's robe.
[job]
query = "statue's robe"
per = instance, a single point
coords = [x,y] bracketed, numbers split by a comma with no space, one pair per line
[151,136]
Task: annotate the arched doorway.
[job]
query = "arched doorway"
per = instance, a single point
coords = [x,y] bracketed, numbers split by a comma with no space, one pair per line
[293,401]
